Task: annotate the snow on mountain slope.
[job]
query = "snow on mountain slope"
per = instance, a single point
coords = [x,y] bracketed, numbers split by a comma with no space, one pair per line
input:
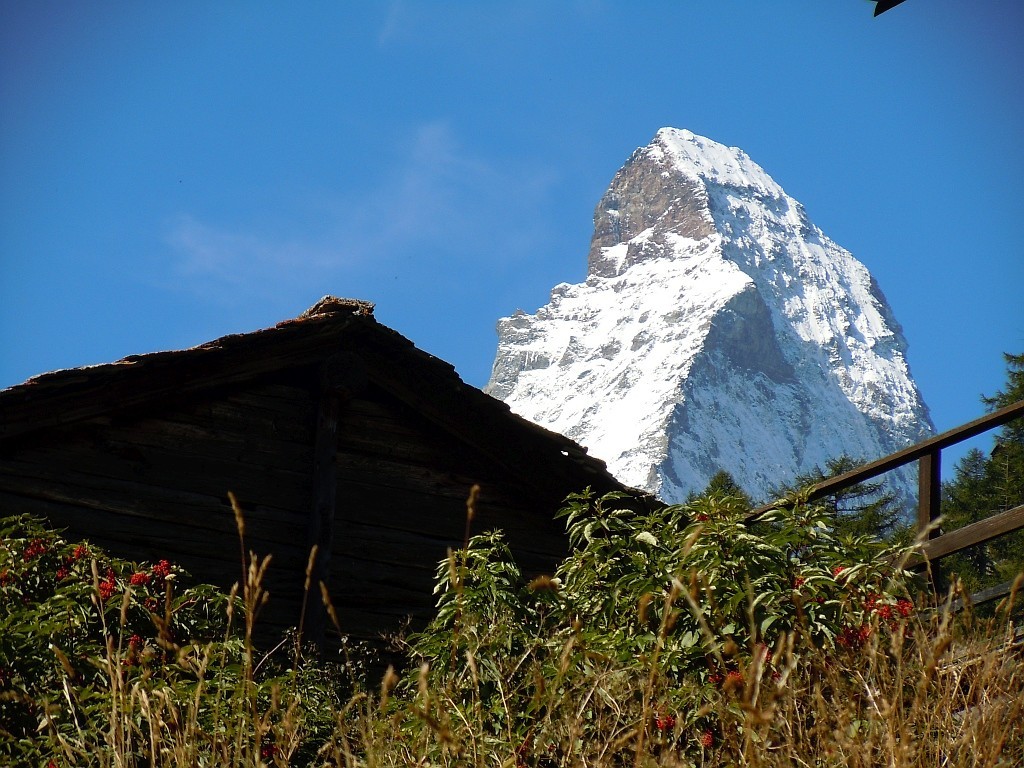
[718,328]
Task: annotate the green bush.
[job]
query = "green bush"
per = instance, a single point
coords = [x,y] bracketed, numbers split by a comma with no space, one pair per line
[679,636]
[669,609]
[96,652]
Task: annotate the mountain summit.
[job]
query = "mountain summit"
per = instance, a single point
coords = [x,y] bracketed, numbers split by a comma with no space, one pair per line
[718,328]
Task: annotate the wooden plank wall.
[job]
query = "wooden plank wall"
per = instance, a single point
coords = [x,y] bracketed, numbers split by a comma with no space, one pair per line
[155,486]
[152,485]
[401,503]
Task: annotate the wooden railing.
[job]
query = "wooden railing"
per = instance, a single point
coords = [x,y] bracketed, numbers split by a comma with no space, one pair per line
[928,454]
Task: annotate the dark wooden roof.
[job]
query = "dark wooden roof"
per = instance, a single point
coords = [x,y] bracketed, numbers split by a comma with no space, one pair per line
[338,330]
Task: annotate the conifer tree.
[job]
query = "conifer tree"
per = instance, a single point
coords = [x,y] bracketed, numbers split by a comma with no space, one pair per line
[985,485]
[723,484]
[864,509]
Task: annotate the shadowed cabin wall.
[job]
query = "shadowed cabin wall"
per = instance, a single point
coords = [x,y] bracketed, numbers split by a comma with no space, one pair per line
[147,486]
[152,483]
[401,503]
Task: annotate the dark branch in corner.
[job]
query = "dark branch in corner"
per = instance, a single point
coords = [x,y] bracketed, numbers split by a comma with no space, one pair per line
[881,6]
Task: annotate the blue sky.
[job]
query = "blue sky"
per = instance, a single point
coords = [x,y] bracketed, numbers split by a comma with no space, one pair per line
[173,172]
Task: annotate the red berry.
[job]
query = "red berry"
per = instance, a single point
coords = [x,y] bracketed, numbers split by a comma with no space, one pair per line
[35,548]
[854,637]
[733,681]
[268,751]
[108,586]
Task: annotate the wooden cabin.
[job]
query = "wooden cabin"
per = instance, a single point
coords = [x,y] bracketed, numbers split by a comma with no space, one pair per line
[330,429]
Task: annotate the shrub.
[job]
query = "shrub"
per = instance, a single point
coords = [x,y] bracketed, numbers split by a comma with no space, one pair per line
[657,614]
[682,636]
[104,661]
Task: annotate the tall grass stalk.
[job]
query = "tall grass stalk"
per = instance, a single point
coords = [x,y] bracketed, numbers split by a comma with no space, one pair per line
[531,674]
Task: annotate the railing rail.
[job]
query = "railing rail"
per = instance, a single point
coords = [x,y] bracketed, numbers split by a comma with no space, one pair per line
[928,454]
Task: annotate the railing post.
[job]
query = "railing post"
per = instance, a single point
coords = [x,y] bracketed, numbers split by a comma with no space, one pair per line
[929,495]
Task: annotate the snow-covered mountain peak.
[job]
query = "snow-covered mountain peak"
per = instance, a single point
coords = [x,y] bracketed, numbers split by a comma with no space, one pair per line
[718,328]
[700,157]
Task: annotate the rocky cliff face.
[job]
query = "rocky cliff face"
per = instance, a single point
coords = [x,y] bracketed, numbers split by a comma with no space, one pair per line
[718,328]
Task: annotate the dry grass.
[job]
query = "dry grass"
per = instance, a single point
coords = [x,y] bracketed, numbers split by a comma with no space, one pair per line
[935,689]
[937,694]
[942,692]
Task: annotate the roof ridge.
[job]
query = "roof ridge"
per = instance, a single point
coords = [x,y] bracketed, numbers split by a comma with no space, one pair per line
[333,305]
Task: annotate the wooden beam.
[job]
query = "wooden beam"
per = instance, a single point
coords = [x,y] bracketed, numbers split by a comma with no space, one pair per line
[929,492]
[341,376]
[986,595]
[907,455]
[975,533]
[320,532]
[929,497]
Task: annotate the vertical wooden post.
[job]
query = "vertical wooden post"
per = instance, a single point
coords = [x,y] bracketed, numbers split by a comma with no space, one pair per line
[929,497]
[342,376]
[320,529]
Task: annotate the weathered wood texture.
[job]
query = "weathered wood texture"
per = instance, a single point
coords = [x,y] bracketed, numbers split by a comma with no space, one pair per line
[65,397]
[156,486]
[976,533]
[401,504]
[929,492]
[987,595]
[331,411]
